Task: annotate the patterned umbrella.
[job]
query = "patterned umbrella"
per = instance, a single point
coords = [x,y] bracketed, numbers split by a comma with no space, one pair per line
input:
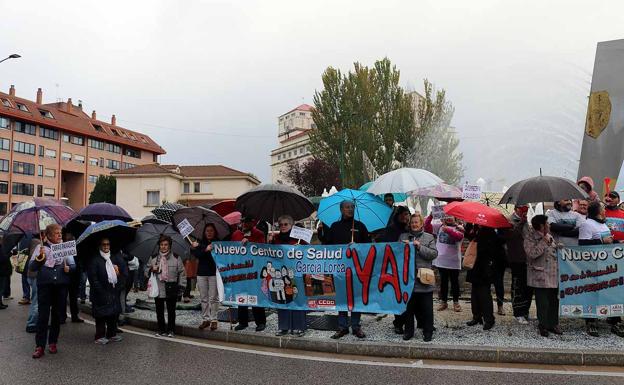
[199,217]
[152,219]
[166,210]
[440,191]
[145,243]
[98,212]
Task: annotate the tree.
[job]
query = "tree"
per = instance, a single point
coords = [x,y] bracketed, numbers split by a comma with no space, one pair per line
[105,190]
[312,176]
[436,146]
[363,111]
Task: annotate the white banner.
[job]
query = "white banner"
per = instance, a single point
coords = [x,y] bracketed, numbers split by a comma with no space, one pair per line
[60,251]
[471,192]
[301,233]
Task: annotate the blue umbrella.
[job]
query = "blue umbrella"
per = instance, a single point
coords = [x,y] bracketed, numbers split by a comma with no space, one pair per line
[398,197]
[369,209]
[118,233]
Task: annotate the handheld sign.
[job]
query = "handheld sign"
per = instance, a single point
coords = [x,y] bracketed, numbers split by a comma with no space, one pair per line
[471,192]
[437,212]
[185,228]
[301,233]
[60,251]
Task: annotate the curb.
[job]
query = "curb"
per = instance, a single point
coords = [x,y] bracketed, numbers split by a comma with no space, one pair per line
[394,350]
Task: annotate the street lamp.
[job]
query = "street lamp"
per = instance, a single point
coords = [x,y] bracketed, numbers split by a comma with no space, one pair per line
[13,56]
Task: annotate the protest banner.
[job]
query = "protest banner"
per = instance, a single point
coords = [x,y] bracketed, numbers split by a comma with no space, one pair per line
[591,281]
[60,251]
[437,212]
[185,228]
[615,224]
[301,233]
[374,278]
[471,192]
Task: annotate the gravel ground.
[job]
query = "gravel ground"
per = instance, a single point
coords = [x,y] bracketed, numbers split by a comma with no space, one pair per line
[451,330]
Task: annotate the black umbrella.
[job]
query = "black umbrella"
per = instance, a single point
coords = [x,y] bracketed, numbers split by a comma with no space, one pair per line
[542,189]
[199,217]
[102,211]
[166,210]
[145,243]
[269,201]
[152,219]
[76,227]
[119,233]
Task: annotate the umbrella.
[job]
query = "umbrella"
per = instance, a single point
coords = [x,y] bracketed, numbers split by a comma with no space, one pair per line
[403,180]
[225,207]
[77,227]
[118,232]
[98,212]
[369,209]
[542,189]
[477,213]
[233,218]
[199,217]
[152,219]
[145,243]
[398,197]
[269,201]
[166,210]
[441,191]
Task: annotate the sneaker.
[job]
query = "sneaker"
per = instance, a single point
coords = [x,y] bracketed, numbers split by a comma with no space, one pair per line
[101,341]
[116,339]
[52,349]
[260,327]
[281,333]
[240,327]
[38,352]
[591,329]
[359,333]
[618,329]
[443,306]
[456,307]
[299,333]
[24,301]
[522,320]
[340,333]
[161,334]
[170,335]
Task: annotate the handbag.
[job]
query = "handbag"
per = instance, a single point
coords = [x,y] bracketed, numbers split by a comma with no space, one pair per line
[426,276]
[152,286]
[20,266]
[470,256]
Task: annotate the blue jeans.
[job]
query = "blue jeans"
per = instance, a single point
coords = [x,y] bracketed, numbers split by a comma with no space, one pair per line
[343,320]
[25,286]
[33,312]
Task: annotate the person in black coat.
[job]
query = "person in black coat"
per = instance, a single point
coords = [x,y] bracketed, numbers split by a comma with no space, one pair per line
[105,280]
[346,230]
[481,276]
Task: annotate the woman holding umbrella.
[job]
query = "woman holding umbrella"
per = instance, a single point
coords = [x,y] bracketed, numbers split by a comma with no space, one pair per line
[170,275]
[207,277]
[105,279]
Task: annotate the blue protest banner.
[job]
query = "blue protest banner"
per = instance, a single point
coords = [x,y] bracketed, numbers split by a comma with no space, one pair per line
[591,281]
[375,278]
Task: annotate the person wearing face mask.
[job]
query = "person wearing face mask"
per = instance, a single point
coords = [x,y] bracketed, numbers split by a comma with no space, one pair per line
[614,215]
[105,283]
[448,262]
[564,223]
[594,231]
[420,304]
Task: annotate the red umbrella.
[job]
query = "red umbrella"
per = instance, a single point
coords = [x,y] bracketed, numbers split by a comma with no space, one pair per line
[225,207]
[477,213]
[233,218]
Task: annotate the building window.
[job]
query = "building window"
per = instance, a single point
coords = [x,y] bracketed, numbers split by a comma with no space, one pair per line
[186,188]
[3,208]
[46,114]
[6,103]
[49,192]
[102,162]
[65,156]
[132,152]
[79,159]
[196,187]
[4,165]
[39,190]
[22,107]
[97,144]
[98,128]
[24,148]
[110,147]
[25,128]
[49,133]
[153,198]
[4,123]
[77,140]
[23,189]
[49,153]
[4,187]
[93,178]
[127,165]
[5,144]
[40,170]
[23,168]
[205,187]
[50,173]
[93,161]
[279,157]
[41,151]
[66,138]
[112,164]
[301,150]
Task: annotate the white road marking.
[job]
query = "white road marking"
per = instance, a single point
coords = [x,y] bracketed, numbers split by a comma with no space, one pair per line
[419,364]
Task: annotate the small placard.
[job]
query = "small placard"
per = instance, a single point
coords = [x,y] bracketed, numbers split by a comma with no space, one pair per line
[437,212]
[185,228]
[60,251]
[301,233]
[471,192]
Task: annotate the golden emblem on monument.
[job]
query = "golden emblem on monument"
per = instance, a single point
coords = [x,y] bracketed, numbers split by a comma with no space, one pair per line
[598,113]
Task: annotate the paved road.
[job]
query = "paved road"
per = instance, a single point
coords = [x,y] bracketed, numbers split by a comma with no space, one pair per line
[143,359]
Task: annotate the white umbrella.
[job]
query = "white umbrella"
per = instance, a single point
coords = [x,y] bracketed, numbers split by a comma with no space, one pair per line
[403,180]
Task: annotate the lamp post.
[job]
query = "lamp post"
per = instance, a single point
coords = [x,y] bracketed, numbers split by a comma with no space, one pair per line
[13,56]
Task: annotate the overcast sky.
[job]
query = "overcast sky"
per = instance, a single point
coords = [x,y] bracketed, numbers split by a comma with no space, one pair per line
[207,79]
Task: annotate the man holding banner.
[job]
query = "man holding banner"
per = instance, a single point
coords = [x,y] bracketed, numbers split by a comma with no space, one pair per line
[614,215]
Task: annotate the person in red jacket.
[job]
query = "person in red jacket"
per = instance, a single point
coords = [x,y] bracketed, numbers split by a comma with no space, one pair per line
[614,215]
[249,233]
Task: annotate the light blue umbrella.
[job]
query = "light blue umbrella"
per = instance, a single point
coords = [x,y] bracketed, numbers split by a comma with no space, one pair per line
[369,209]
[118,232]
[398,197]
